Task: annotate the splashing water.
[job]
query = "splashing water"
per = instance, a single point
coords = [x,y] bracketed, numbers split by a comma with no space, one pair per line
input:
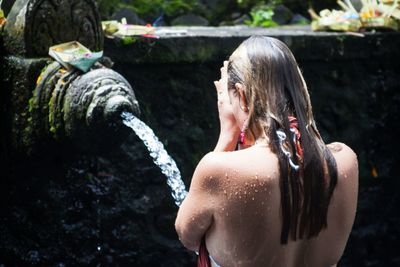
[160,156]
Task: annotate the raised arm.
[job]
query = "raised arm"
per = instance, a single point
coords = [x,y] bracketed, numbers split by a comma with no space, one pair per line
[195,215]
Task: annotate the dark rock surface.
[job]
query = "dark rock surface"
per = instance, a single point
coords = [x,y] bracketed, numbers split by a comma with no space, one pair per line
[69,209]
[130,16]
[241,20]
[282,15]
[217,11]
[299,19]
[190,20]
[300,6]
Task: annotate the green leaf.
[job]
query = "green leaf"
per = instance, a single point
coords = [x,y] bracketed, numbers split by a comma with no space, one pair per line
[262,16]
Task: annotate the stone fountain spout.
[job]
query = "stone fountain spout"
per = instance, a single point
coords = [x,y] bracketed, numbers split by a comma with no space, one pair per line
[82,107]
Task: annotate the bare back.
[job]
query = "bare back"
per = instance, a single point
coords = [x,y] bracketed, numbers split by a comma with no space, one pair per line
[246,214]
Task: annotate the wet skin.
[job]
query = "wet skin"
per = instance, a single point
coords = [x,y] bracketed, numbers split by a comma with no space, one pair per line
[234,199]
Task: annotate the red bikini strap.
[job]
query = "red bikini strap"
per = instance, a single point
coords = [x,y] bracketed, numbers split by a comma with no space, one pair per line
[295,126]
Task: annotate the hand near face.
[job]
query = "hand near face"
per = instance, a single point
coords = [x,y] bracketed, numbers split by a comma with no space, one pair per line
[229,127]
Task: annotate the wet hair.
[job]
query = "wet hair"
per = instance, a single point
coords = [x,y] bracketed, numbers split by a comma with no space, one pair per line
[275,89]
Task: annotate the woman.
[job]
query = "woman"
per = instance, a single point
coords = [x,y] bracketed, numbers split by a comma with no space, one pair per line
[283,198]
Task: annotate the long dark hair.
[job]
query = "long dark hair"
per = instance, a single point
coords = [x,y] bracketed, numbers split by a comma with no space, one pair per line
[275,89]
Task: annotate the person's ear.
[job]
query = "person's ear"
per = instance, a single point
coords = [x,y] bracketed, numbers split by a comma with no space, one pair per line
[242,97]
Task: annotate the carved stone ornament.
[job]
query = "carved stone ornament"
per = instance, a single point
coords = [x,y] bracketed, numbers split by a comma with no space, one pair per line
[35,25]
[83,107]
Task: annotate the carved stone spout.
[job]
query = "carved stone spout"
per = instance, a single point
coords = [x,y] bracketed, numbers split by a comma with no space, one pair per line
[83,107]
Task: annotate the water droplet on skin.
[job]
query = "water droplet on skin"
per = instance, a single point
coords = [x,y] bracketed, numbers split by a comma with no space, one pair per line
[225,192]
[240,196]
[252,198]
[192,218]
[256,190]
[245,192]
[222,209]
[345,176]
[236,193]
[98,248]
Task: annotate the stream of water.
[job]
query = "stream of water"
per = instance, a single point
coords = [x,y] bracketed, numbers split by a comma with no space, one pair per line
[159,154]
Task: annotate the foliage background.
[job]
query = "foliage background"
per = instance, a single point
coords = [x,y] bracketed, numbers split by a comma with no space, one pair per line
[215,11]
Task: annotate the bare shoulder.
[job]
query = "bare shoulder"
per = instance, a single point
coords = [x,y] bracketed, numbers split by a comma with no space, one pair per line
[336,147]
[209,171]
[213,163]
[341,150]
[346,159]
[213,159]
[215,169]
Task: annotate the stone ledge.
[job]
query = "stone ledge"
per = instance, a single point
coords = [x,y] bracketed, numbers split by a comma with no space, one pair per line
[240,31]
[210,44]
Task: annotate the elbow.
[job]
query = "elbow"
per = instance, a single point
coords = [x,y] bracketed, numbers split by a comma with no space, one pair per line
[184,237]
[179,227]
[178,230]
[192,246]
